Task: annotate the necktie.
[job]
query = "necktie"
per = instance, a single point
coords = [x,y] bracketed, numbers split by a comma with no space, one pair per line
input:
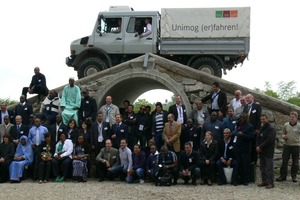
[37,137]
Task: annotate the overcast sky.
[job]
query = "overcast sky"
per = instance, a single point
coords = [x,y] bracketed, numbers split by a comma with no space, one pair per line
[38,33]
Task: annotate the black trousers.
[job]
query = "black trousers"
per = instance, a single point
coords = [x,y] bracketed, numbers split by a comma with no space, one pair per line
[4,170]
[44,170]
[267,170]
[289,151]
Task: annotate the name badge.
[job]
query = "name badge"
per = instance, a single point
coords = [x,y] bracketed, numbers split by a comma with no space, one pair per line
[60,130]
[22,132]
[184,110]
[45,148]
[195,135]
[231,147]
[114,157]
[122,130]
[87,102]
[190,160]
[234,122]
[141,127]
[253,111]
[131,117]
[39,80]
[105,128]
[235,138]
[25,108]
[82,149]
[216,127]
[202,115]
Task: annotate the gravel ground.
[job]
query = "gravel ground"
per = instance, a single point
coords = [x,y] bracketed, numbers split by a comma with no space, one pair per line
[119,190]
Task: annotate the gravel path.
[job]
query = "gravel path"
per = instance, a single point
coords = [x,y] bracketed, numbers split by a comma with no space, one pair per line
[119,190]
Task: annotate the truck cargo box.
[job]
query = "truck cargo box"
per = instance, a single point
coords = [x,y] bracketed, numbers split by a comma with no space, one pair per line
[205,22]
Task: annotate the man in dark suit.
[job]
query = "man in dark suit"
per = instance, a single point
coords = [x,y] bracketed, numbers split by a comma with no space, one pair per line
[57,128]
[265,148]
[218,99]
[24,109]
[18,130]
[227,158]
[100,132]
[178,110]
[88,108]
[253,110]
[119,131]
[4,112]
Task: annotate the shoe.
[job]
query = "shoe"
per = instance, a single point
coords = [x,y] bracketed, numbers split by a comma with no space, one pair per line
[202,182]
[222,183]
[269,186]
[234,184]
[245,183]
[186,182]
[101,179]
[174,182]
[262,185]
[194,182]
[62,179]
[57,179]
[294,180]
[280,179]
[142,181]
[209,182]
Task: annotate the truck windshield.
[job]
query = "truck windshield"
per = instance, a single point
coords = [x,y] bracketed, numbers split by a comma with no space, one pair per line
[109,25]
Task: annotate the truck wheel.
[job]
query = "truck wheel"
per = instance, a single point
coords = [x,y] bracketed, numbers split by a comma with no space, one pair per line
[90,66]
[208,65]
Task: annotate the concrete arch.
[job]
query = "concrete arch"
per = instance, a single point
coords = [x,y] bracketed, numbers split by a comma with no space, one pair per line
[136,83]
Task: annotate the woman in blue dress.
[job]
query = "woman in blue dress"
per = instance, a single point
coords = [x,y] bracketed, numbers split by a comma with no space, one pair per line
[23,157]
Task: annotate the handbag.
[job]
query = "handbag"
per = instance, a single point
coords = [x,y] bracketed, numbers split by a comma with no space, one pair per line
[228,173]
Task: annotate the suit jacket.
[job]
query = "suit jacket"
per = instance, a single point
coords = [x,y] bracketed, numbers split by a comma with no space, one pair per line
[73,135]
[25,111]
[11,115]
[222,101]
[94,132]
[112,156]
[120,132]
[61,129]
[243,143]
[266,141]
[16,134]
[88,108]
[210,153]
[4,130]
[229,150]
[255,114]
[175,135]
[174,111]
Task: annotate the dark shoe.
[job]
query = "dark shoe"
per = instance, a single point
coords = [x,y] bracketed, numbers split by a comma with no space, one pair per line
[221,183]
[294,180]
[269,186]
[209,182]
[186,182]
[174,182]
[280,179]
[246,183]
[101,179]
[262,185]
[234,184]
[194,182]
[201,182]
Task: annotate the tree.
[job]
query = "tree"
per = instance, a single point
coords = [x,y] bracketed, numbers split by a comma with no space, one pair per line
[286,90]
[8,101]
[137,104]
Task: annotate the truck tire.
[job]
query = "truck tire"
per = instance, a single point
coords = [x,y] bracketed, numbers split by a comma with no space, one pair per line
[90,66]
[208,65]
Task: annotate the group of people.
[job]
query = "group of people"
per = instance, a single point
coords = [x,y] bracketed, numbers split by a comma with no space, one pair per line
[61,140]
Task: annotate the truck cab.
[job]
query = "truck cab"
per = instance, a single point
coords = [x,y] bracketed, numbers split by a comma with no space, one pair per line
[115,39]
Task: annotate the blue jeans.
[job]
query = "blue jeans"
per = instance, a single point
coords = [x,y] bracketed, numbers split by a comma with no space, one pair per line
[139,173]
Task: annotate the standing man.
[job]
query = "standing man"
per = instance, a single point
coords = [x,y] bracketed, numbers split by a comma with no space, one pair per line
[18,130]
[24,109]
[218,99]
[70,102]
[37,85]
[36,137]
[159,118]
[236,101]
[50,107]
[198,115]
[172,132]
[6,112]
[5,128]
[178,110]
[265,148]
[215,126]
[253,110]
[119,130]
[291,135]
[57,128]
[88,107]
[109,111]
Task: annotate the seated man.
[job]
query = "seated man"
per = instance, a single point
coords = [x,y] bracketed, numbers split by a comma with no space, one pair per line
[138,163]
[106,159]
[167,163]
[227,158]
[37,85]
[151,161]
[189,164]
[125,165]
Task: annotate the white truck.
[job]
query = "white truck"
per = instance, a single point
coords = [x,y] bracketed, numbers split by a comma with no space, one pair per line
[208,39]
